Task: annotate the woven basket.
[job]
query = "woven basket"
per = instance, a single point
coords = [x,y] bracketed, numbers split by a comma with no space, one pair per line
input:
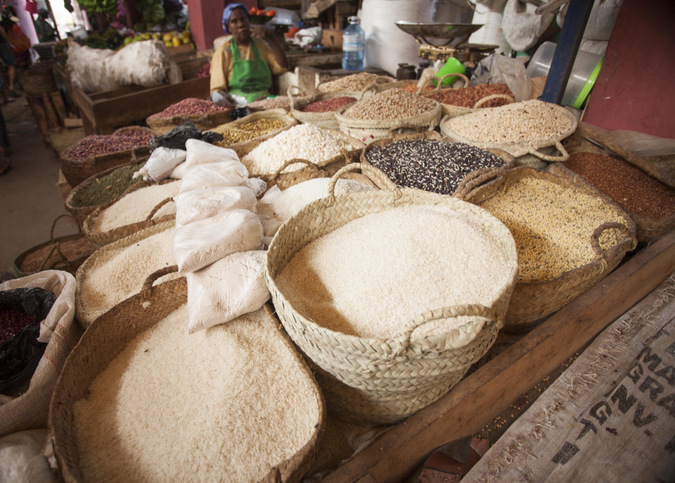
[76,171]
[80,213]
[368,130]
[647,228]
[321,119]
[65,253]
[327,166]
[108,337]
[275,114]
[100,239]
[533,301]
[509,161]
[102,256]
[453,111]
[201,121]
[38,79]
[516,149]
[371,380]
[378,83]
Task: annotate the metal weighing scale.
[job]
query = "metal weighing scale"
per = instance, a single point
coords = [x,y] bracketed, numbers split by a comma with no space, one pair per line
[440,41]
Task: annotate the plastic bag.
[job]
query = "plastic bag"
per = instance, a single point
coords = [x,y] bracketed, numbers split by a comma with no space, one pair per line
[213,175]
[499,69]
[21,352]
[161,164]
[200,152]
[197,205]
[226,289]
[21,457]
[258,186]
[177,137]
[204,242]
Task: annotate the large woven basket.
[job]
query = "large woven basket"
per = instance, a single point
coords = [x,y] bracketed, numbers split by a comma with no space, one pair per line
[80,213]
[103,256]
[106,338]
[368,130]
[509,161]
[451,111]
[275,114]
[370,380]
[519,149]
[201,121]
[65,253]
[100,238]
[531,302]
[322,119]
[77,170]
[326,166]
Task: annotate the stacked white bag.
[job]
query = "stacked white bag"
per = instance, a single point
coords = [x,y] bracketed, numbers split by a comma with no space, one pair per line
[218,236]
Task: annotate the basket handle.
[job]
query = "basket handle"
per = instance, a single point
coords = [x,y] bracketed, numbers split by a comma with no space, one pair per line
[157,207]
[408,339]
[564,155]
[418,129]
[485,99]
[370,87]
[375,175]
[57,245]
[152,278]
[293,92]
[475,179]
[595,239]
[439,85]
[278,172]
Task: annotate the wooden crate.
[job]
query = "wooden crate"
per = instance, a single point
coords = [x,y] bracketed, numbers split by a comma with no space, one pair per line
[398,450]
[104,112]
[49,111]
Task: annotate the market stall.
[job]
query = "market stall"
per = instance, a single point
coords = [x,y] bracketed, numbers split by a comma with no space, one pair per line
[332,284]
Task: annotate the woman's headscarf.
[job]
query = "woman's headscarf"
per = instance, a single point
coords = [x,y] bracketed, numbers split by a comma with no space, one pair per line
[228,11]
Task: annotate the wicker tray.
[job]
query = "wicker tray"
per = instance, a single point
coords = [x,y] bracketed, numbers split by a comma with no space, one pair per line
[533,301]
[100,239]
[76,171]
[65,253]
[80,213]
[517,149]
[376,380]
[108,337]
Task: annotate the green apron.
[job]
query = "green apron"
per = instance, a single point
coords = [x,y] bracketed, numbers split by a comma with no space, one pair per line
[250,79]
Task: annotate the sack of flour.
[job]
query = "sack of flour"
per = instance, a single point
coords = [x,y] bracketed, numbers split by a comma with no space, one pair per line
[201,152]
[196,205]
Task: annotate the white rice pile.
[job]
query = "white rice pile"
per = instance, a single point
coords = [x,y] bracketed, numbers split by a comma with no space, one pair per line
[304,141]
[119,274]
[136,206]
[371,276]
[225,404]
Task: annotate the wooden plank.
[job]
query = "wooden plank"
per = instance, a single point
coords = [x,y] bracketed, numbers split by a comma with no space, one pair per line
[52,118]
[39,113]
[493,387]
[59,107]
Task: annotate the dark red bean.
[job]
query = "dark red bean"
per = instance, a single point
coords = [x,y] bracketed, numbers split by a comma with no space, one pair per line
[328,105]
[12,320]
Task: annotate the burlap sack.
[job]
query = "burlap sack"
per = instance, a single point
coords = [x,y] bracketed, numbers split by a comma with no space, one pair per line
[29,410]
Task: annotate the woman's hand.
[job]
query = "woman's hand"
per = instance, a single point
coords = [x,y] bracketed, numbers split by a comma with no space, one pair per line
[260,32]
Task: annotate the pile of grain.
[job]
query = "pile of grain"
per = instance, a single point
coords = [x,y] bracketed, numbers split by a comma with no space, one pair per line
[98,144]
[374,274]
[435,166]
[304,141]
[233,134]
[136,206]
[117,272]
[279,102]
[521,122]
[552,226]
[352,82]
[390,104]
[106,188]
[226,404]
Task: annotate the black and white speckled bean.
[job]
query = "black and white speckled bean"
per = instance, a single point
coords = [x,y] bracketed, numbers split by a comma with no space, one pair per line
[435,166]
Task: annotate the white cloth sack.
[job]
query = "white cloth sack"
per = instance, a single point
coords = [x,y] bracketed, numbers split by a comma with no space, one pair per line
[29,410]
[21,457]
[146,63]
[213,175]
[257,185]
[88,69]
[161,164]
[197,205]
[499,69]
[226,289]
[201,152]
[204,242]
[522,26]
[179,171]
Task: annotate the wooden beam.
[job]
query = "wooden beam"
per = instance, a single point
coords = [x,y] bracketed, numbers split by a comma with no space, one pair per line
[483,395]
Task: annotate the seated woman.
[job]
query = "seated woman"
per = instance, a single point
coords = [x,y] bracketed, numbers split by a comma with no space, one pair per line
[244,65]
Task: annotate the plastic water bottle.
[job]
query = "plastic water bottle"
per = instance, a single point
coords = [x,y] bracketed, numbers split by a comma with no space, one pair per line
[353,45]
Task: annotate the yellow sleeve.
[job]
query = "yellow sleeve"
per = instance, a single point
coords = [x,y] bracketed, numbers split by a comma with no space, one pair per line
[268,56]
[221,68]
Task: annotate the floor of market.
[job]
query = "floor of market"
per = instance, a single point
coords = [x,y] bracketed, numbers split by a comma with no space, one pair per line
[30,200]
